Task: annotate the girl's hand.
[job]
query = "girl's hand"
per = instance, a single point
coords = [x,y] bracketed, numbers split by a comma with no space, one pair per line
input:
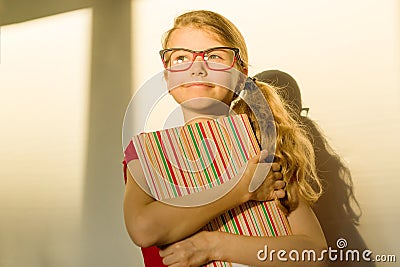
[193,251]
[263,188]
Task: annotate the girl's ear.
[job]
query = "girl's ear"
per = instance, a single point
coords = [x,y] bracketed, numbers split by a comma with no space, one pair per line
[245,71]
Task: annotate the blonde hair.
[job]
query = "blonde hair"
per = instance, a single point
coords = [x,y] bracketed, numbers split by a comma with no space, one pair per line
[293,149]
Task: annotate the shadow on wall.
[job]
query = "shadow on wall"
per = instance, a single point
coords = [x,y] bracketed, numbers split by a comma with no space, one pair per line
[17,11]
[337,210]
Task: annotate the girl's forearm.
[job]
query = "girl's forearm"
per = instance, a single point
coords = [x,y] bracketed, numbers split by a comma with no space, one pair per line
[177,223]
[267,251]
[157,223]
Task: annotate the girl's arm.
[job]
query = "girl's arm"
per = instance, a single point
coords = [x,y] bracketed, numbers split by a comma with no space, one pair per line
[255,251]
[151,222]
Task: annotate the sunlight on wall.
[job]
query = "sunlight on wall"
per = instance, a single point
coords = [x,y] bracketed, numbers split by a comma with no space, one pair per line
[44,80]
[345,56]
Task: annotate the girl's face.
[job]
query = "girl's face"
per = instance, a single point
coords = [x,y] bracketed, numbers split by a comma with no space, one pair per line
[199,82]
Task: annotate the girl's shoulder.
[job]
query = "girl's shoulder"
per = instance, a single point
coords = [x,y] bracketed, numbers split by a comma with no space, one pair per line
[129,155]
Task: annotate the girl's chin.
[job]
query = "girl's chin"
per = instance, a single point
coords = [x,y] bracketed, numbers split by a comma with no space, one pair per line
[203,97]
[204,104]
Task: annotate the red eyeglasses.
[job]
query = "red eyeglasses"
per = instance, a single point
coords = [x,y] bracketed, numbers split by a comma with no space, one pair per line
[216,58]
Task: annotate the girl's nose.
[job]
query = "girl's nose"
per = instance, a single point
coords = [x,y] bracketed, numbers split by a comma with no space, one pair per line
[199,67]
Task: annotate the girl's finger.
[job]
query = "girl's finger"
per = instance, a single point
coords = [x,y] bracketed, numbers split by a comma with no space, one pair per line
[278,176]
[279,185]
[276,167]
[165,252]
[169,260]
[280,193]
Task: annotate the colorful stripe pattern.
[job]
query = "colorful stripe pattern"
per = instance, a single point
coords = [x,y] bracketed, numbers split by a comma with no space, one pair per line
[251,219]
[188,159]
[191,158]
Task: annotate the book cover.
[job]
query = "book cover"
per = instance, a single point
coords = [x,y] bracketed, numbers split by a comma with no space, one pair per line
[186,160]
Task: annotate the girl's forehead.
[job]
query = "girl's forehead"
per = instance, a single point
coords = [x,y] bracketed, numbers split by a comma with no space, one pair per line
[194,38]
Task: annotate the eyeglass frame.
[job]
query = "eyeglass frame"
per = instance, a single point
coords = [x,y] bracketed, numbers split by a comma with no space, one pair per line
[201,53]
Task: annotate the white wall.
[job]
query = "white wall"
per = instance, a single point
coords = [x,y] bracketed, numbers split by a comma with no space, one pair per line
[44,79]
[345,56]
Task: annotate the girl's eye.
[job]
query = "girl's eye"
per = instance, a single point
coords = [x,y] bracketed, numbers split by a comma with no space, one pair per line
[213,57]
[179,57]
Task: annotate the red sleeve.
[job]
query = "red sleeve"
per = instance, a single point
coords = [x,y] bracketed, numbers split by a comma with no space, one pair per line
[130,154]
[152,257]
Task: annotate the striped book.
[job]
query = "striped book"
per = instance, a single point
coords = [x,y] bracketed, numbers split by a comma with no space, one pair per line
[252,219]
[195,157]
[184,160]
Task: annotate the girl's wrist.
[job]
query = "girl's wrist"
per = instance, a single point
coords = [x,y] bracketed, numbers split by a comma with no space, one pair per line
[242,193]
[216,242]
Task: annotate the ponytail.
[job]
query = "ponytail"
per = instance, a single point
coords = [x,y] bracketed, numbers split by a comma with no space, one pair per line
[293,150]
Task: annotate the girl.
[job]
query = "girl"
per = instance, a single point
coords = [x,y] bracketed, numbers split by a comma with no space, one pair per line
[195,35]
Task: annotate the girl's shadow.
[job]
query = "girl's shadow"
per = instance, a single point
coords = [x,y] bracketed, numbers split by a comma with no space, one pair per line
[337,209]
